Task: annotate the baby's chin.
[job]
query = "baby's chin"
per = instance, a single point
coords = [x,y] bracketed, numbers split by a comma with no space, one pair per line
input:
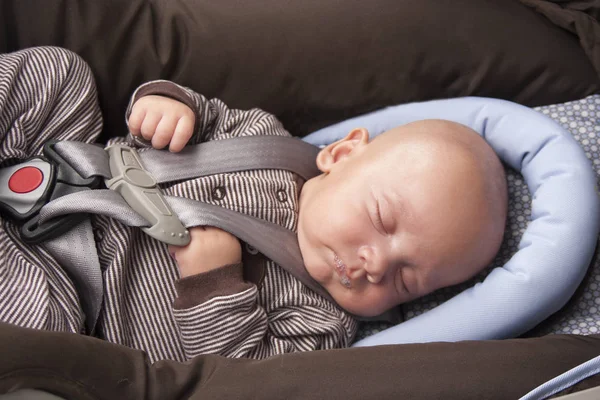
[357,307]
[317,270]
[361,312]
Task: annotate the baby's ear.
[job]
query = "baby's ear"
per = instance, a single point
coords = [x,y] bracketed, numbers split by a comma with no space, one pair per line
[341,149]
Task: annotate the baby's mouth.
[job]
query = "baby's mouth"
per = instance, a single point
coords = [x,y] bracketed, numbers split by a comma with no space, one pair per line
[340,268]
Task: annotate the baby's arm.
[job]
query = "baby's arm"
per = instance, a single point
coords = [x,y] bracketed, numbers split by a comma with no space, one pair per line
[237,324]
[220,313]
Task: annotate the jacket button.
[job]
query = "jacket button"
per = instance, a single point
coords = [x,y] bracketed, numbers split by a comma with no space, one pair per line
[218,193]
[281,196]
[251,250]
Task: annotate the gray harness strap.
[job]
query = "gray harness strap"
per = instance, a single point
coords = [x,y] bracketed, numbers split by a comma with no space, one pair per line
[232,155]
[209,158]
[100,201]
[77,251]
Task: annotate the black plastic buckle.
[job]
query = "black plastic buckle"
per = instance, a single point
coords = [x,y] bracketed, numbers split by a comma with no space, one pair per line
[64,179]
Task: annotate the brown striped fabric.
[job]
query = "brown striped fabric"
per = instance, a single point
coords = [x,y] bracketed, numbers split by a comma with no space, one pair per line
[49,93]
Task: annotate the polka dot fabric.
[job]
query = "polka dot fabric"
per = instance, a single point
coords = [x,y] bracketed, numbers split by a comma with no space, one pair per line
[582,314]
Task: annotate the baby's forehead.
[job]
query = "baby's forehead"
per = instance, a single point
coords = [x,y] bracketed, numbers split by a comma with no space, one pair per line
[425,180]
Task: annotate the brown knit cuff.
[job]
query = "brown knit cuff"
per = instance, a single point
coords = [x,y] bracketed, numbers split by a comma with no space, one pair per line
[197,289]
[170,90]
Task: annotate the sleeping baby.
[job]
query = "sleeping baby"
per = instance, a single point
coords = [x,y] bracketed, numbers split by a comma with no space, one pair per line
[418,208]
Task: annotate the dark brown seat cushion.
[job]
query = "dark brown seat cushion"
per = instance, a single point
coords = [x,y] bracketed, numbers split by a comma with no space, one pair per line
[581,17]
[311,62]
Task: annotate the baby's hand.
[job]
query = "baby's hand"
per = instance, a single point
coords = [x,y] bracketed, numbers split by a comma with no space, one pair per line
[163,121]
[209,248]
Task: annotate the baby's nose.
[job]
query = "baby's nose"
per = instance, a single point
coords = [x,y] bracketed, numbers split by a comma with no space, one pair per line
[372,263]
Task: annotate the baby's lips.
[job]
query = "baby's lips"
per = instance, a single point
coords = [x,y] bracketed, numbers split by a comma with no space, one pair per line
[340,268]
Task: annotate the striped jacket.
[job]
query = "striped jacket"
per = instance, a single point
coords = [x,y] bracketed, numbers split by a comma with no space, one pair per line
[49,93]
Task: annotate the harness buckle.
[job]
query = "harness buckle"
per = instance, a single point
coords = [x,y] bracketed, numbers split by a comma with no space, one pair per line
[26,187]
[141,192]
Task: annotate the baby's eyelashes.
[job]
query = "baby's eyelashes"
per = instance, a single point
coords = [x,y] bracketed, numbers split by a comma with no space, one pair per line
[379,220]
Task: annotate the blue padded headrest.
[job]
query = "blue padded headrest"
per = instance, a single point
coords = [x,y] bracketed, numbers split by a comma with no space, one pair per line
[557,246]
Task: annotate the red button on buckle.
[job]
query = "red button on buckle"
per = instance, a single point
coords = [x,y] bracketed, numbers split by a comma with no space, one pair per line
[25,180]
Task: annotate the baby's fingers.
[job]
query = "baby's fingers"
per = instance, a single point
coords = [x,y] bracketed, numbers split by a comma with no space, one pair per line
[149,125]
[164,132]
[135,120]
[183,133]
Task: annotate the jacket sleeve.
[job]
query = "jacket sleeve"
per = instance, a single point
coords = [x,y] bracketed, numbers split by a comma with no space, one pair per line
[45,93]
[239,325]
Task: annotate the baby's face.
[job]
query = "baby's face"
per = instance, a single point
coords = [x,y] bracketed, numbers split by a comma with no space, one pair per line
[388,222]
